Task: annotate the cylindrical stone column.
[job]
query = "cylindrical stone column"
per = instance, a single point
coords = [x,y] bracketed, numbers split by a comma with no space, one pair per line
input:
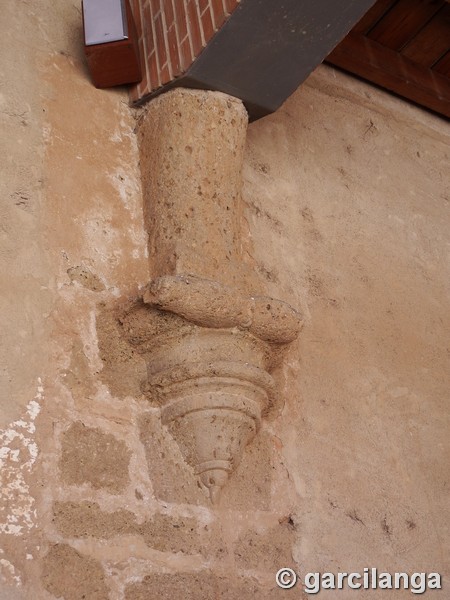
[192,144]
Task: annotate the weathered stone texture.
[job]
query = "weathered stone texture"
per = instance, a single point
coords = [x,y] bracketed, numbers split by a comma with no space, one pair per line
[173,481]
[162,532]
[86,278]
[210,370]
[267,550]
[86,519]
[202,586]
[344,215]
[70,575]
[91,456]
[191,176]
[123,369]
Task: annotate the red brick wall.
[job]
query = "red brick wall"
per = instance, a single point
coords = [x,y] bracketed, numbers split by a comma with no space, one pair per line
[172,33]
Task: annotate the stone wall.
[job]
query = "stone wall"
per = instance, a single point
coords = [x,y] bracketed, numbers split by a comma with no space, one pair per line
[347,216]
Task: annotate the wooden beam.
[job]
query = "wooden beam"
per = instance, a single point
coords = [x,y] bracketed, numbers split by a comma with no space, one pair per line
[403,21]
[267,48]
[389,69]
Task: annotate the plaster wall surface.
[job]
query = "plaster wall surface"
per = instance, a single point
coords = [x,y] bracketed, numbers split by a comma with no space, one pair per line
[347,202]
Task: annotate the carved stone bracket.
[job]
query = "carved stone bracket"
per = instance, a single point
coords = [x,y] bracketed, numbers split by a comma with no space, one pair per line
[209,335]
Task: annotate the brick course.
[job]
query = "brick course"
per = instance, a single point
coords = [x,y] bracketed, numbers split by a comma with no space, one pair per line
[172,34]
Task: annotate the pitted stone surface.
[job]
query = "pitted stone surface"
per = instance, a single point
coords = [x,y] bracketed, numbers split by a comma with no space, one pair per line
[92,456]
[201,586]
[73,576]
[211,377]
[192,148]
[329,226]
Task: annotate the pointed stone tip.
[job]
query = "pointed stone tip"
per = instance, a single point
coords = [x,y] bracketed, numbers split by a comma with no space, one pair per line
[214,480]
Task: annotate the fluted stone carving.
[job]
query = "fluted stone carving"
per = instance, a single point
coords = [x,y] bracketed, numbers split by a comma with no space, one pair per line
[209,334]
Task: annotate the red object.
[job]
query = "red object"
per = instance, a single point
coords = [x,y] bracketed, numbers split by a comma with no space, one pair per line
[116,63]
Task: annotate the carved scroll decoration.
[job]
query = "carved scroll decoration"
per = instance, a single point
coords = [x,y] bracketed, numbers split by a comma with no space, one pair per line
[209,335]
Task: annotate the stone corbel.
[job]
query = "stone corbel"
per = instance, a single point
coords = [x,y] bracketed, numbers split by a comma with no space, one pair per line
[209,335]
